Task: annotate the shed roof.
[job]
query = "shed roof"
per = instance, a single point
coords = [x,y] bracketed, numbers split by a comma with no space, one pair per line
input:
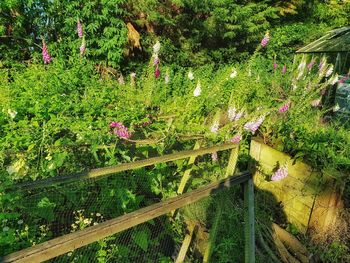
[337,40]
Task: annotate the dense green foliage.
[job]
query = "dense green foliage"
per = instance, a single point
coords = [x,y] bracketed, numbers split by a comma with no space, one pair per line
[57,118]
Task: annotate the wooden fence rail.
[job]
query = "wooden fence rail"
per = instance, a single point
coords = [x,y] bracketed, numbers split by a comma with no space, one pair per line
[94,173]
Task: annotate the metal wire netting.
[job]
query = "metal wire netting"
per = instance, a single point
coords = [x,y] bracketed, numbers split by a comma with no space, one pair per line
[45,213]
[160,239]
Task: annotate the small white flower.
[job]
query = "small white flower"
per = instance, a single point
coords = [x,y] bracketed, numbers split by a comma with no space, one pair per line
[121,80]
[215,127]
[190,75]
[198,90]
[11,169]
[5,229]
[12,113]
[133,75]
[329,71]
[156,47]
[334,79]
[98,214]
[166,78]
[4,221]
[336,107]
[20,222]
[233,74]
[231,112]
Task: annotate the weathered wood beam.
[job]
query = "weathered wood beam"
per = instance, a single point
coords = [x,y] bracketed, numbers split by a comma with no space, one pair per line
[69,242]
[94,173]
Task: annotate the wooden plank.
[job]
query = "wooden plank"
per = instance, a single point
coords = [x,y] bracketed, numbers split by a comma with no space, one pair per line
[232,162]
[69,242]
[249,221]
[123,167]
[187,173]
[185,245]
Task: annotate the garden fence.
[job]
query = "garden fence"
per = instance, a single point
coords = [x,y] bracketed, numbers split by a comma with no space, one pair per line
[93,204]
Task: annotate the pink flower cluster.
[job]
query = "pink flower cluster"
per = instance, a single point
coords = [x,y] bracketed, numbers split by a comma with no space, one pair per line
[265,40]
[236,139]
[120,130]
[284,107]
[280,174]
[46,56]
[80,29]
[253,126]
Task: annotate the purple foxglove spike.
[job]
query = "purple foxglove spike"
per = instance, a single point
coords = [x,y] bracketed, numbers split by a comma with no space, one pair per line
[156,60]
[46,56]
[274,65]
[284,69]
[80,29]
[311,64]
[157,72]
[236,139]
[265,40]
[284,107]
[82,47]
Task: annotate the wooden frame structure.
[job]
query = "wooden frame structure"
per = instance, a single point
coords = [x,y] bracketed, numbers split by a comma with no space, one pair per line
[64,244]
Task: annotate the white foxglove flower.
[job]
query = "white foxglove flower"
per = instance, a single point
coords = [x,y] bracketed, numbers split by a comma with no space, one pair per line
[231,112]
[198,90]
[12,113]
[215,127]
[190,75]
[239,115]
[336,107]
[329,71]
[334,79]
[233,74]
[156,47]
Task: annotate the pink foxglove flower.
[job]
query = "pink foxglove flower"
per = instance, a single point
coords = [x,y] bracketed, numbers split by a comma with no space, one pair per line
[253,126]
[343,79]
[214,156]
[120,130]
[46,56]
[265,40]
[236,139]
[284,107]
[239,115]
[284,69]
[280,174]
[316,103]
[157,72]
[311,64]
[80,29]
[155,60]
[274,65]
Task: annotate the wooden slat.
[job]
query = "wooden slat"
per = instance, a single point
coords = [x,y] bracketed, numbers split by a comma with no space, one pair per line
[249,220]
[187,173]
[232,162]
[69,242]
[124,167]
[185,245]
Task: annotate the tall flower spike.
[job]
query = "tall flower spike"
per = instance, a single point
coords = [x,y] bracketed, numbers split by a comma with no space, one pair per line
[284,107]
[46,56]
[236,139]
[284,69]
[80,29]
[190,75]
[265,40]
[157,72]
[166,78]
[197,90]
[274,65]
[82,47]
[156,47]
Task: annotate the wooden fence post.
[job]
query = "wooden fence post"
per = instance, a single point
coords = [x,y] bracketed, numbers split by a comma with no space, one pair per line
[249,221]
